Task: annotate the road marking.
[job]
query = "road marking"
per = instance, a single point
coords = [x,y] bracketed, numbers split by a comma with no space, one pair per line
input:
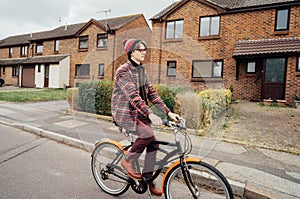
[70,123]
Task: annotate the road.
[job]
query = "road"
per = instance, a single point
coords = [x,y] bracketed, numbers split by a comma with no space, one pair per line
[34,167]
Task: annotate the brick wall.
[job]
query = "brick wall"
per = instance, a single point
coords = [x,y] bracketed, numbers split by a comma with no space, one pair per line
[111,56]
[255,25]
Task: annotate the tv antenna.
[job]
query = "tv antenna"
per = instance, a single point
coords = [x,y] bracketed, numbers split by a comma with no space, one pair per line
[58,20]
[105,11]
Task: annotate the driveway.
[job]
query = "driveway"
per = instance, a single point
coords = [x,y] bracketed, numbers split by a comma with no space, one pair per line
[276,128]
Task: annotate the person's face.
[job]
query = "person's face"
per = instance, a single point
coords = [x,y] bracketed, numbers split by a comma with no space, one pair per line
[139,54]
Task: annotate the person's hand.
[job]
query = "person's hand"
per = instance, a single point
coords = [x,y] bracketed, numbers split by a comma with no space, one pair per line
[174,116]
[155,119]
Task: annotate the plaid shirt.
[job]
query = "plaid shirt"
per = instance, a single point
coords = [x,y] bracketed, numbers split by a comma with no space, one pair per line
[127,104]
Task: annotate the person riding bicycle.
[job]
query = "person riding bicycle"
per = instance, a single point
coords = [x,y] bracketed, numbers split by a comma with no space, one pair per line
[130,110]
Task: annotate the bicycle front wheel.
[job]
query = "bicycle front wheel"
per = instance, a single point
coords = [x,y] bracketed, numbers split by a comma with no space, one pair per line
[107,170]
[202,181]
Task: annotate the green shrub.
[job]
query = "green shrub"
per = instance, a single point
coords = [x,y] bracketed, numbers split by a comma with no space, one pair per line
[86,96]
[103,97]
[167,94]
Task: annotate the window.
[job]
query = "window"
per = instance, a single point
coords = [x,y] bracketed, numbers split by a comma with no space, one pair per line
[282,19]
[102,40]
[10,52]
[15,71]
[39,47]
[84,42]
[251,67]
[275,70]
[174,29]
[207,69]
[209,26]
[56,45]
[23,51]
[82,70]
[171,68]
[298,64]
[101,70]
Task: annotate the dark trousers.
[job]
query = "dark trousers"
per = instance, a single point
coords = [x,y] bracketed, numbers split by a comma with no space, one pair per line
[144,140]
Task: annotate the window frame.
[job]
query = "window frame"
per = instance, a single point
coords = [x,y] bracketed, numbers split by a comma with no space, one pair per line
[39,68]
[213,65]
[171,67]
[101,68]
[23,51]
[15,71]
[298,64]
[82,65]
[287,22]
[56,45]
[39,48]
[210,26]
[247,67]
[10,52]
[81,39]
[104,37]
[174,30]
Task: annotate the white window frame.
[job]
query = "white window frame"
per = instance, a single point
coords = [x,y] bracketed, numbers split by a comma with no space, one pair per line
[251,67]
[208,26]
[56,45]
[174,29]
[39,47]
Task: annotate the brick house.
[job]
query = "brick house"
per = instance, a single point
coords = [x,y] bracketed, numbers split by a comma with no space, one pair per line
[70,54]
[250,46]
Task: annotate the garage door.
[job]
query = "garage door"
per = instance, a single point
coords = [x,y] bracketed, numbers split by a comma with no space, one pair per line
[28,77]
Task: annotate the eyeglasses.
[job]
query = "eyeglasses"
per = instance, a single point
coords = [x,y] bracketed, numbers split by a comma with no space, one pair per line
[142,50]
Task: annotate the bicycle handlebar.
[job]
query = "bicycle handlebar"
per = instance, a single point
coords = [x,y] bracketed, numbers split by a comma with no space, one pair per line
[180,125]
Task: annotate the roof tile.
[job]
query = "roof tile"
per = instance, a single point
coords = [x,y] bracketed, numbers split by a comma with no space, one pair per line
[65,31]
[33,60]
[267,46]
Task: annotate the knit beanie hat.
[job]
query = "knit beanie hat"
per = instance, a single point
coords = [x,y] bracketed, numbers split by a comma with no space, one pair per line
[129,44]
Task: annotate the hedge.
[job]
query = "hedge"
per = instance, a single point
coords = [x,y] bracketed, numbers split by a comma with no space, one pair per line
[198,108]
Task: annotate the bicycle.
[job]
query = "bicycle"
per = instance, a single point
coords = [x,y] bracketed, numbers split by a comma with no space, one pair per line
[187,177]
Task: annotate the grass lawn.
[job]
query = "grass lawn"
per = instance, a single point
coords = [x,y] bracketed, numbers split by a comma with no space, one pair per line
[27,95]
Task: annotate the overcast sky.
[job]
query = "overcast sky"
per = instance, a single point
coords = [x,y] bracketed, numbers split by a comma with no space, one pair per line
[25,16]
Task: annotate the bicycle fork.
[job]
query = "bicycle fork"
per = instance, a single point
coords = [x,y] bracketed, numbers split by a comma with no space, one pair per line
[188,178]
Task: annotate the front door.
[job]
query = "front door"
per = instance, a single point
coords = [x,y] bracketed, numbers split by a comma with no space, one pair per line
[273,84]
[28,77]
[46,80]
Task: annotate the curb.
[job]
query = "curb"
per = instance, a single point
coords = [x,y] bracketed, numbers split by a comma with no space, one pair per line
[238,188]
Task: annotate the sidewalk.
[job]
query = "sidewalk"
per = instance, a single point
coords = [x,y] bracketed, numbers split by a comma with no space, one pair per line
[254,172]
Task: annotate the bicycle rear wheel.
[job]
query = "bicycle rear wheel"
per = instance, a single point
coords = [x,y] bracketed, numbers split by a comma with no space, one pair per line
[204,181]
[107,170]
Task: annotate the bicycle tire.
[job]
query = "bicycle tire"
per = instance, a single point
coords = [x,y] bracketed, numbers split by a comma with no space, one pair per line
[209,181]
[103,168]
